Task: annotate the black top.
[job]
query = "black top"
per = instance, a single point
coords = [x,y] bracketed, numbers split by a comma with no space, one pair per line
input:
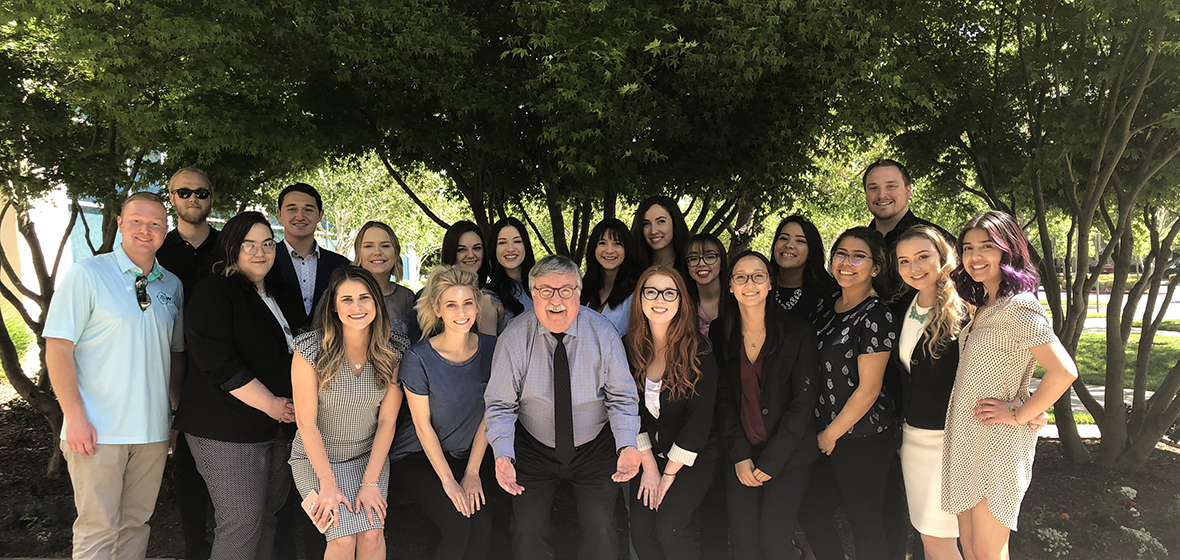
[685,423]
[926,385]
[234,338]
[889,284]
[326,263]
[813,305]
[790,378]
[185,261]
[865,329]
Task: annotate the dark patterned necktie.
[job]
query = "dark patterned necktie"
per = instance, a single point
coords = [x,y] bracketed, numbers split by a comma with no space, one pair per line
[563,409]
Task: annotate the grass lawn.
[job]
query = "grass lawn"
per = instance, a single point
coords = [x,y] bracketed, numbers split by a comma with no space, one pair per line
[1166,325]
[1079,418]
[1091,359]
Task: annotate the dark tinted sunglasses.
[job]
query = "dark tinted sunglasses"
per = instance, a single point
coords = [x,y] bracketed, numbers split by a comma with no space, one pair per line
[141,294]
[184,194]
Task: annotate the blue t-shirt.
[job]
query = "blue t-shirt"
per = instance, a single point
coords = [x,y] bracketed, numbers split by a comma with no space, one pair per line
[865,329]
[455,392]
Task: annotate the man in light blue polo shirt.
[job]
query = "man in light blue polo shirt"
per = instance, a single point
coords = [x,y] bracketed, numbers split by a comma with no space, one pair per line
[114,338]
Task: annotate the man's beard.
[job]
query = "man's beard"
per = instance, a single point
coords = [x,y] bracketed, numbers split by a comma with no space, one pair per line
[192,215]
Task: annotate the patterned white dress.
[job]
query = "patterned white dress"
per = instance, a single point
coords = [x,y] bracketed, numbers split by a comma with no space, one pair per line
[347,420]
[993,462]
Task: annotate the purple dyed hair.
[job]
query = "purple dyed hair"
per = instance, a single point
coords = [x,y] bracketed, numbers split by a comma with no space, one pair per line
[1017,272]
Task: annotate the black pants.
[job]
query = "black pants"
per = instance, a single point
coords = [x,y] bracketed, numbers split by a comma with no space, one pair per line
[897,515]
[714,515]
[539,471]
[463,538]
[762,518]
[193,498]
[854,476]
[657,535]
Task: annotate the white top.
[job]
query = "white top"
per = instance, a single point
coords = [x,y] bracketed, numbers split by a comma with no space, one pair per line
[305,270]
[278,313]
[651,396]
[619,316]
[911,331]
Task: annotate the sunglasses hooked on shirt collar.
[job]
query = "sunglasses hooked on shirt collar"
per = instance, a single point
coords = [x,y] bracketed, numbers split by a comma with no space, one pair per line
[141,294]
[184,194]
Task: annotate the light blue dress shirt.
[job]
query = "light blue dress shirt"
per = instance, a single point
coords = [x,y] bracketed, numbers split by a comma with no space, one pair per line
[521,386]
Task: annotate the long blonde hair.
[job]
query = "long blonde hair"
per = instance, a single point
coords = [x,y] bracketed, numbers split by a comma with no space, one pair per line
[949,311]
[382,349]
[440,279]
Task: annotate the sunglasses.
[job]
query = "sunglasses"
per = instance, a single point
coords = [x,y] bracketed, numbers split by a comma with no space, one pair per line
[184,194]
[141,294]
[669,295]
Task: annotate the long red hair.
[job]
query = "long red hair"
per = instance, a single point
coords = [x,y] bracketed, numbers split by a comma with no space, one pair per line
[685,343]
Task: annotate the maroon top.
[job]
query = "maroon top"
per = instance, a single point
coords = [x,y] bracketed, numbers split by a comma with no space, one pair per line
[751,410]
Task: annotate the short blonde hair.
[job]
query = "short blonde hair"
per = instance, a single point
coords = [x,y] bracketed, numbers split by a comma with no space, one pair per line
[193,170]
[441,279]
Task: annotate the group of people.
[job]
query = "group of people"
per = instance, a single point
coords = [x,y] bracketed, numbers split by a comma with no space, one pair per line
[888,377]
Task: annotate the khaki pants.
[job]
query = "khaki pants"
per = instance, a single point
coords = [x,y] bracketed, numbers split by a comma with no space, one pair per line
[115,493]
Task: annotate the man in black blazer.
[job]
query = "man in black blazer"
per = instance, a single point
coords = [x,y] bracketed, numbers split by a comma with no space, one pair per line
[299,260]
[301,263]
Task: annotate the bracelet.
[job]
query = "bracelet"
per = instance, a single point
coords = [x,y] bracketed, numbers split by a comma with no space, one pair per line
[670,475]
[1012,409]
[373,484]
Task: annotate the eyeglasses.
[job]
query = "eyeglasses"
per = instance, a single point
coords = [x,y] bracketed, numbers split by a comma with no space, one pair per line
[547,292]
[757,278]
[650,294]
[184,194]
[854,260]
[141,294]
[709,259]
[250,247]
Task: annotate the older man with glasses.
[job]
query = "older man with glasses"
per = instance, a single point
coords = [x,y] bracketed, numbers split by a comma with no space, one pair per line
[562,406]
[114,343]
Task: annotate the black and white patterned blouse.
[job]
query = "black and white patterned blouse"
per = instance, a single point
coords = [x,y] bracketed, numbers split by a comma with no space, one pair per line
[867,328]
[811,304]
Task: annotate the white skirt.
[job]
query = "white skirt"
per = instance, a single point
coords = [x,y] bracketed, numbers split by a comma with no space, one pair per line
[921,466]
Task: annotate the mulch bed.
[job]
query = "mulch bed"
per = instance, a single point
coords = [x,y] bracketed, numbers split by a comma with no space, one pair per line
[39,510]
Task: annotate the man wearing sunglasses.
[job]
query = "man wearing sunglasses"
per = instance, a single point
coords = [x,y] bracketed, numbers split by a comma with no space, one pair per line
[114,348]
[187,253]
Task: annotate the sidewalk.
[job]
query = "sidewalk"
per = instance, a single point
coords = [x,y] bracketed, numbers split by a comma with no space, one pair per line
[1086,431]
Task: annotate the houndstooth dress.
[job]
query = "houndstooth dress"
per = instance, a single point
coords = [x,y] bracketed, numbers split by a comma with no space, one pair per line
[347,420]
[995,461]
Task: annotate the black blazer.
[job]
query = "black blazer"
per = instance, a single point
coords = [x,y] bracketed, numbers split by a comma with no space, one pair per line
[327,263]
[685,423]
[233,338]
[926,386]
[790,380]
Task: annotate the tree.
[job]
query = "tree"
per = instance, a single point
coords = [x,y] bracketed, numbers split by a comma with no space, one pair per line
[1079,102]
